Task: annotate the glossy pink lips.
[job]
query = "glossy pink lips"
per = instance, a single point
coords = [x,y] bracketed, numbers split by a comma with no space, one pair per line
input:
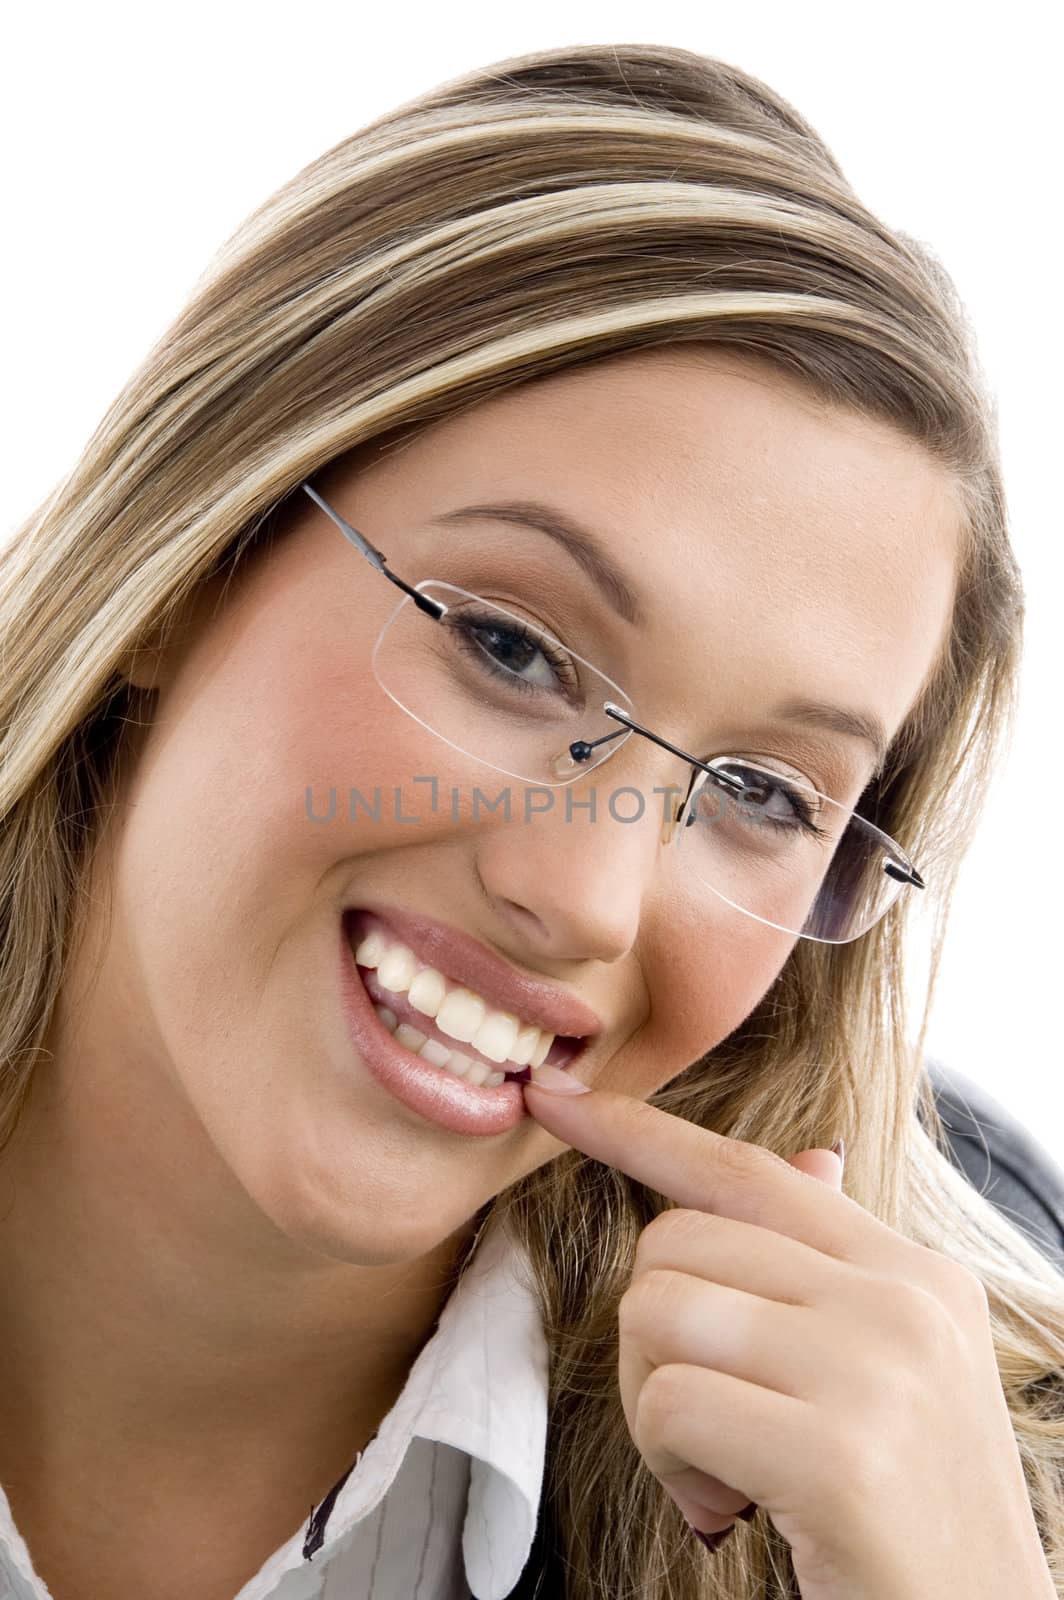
[467,961]
[432,1093]
[400,1005]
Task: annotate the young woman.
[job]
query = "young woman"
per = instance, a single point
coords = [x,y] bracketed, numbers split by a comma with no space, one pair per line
[546,602]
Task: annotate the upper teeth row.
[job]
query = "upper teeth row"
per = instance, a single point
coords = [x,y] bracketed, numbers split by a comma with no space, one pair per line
[457,1012]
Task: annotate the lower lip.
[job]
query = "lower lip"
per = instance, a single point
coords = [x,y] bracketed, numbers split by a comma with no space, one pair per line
[433,1092]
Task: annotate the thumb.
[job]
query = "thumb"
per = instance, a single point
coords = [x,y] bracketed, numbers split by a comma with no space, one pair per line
[827,1165]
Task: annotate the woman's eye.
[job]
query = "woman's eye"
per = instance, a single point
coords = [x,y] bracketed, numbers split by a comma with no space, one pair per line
[515,650]
[765,799]
[510,655]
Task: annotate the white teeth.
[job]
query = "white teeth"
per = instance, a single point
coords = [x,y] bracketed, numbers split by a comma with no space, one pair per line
[497,1035]
[435,1053]
[457,1012]
[459,1064]
[460,1015]
[526,1042]
[539,1054]
[370,950]
[462,1066]
[396,969]
[427,991]
[412,1038]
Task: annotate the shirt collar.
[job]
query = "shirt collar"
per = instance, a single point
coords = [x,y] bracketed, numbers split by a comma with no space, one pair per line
[480,1383]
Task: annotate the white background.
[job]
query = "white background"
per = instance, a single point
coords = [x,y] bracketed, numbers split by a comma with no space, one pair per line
[136,138]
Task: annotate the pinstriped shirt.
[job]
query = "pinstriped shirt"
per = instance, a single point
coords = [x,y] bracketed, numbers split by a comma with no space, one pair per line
[442,1503]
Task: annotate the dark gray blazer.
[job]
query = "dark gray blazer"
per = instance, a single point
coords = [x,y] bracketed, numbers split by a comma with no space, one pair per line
[997,1155]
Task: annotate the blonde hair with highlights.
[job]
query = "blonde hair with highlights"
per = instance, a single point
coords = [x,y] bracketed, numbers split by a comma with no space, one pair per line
[548,211]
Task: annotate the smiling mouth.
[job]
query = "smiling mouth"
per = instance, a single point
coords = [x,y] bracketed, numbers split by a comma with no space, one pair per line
[438,1018]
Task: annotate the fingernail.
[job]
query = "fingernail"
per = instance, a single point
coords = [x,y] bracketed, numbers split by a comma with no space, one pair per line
[555,1081]
[711,1540]
[840,1150]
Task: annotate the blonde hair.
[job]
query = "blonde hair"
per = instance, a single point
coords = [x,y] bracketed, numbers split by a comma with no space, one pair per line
[547,211]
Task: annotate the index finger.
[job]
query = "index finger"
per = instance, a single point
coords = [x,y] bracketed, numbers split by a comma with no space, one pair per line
[697,1168]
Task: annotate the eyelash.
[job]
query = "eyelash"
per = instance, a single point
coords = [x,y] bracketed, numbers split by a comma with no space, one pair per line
[465,627]
[801,806]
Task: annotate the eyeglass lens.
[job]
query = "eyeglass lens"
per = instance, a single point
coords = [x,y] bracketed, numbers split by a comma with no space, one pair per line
[504,692]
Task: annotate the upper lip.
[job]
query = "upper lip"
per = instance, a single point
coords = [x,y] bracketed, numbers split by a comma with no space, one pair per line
[465,960]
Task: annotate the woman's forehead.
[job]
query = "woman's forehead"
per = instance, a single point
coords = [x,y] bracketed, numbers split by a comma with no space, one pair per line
[740,510]
[665,443]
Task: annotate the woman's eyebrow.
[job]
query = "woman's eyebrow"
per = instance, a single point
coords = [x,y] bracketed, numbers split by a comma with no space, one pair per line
[588,550]
[584,546]
[863,725]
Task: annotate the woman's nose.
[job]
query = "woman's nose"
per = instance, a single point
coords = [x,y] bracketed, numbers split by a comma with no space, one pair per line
[573,877]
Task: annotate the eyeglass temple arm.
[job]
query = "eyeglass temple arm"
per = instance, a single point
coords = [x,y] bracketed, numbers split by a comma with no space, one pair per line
[904,874]
[581,749]
[432,608]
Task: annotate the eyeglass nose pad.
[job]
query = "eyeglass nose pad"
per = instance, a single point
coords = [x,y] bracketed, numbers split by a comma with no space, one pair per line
[673,810]
[564,765]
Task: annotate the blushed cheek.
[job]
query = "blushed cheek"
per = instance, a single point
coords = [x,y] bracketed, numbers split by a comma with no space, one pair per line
[709,993]
[356,770]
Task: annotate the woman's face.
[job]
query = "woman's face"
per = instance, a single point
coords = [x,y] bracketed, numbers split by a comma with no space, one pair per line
[775,552]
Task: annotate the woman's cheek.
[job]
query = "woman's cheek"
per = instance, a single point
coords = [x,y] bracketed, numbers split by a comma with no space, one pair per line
[709,988]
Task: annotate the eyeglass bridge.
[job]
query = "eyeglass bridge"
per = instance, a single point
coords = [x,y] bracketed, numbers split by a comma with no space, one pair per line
[581,749]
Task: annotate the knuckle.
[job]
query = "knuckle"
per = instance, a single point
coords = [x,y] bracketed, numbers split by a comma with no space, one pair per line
[741,1162]
[900,1309]
[929,1322]
[966,1289]
[643,1302]
[952,1282]
[663,1234]
[659,1400]
[852,1470]
[918,1335]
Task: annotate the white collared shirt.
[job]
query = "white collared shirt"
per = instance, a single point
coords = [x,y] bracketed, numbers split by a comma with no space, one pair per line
[442,1503]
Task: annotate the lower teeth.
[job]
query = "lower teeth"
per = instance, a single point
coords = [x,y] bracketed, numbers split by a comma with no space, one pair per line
[438,1055]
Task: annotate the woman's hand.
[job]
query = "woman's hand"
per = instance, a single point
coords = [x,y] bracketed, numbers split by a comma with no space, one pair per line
[780,1344]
